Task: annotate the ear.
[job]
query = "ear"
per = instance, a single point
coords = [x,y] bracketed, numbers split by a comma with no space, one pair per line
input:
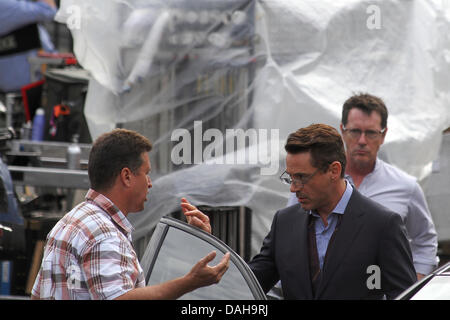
[341,126]
[125,176]
[335,169]
[384,135]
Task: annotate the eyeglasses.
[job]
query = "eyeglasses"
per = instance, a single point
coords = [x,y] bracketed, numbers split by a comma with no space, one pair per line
[298,179]
[369,134]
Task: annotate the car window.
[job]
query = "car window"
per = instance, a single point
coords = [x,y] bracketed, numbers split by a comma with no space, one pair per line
[174,249]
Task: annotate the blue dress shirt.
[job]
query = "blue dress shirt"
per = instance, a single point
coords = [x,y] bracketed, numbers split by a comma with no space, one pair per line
[324,233]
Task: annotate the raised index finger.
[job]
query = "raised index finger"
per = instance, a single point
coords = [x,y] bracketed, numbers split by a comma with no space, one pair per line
[186,205]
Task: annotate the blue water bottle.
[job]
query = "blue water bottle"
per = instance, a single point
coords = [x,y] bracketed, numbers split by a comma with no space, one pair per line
[37,132]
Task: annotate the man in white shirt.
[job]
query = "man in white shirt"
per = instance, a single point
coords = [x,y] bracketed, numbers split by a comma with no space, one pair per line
[364,128]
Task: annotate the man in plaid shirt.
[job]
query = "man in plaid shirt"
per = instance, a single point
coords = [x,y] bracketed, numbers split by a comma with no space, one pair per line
[89,253]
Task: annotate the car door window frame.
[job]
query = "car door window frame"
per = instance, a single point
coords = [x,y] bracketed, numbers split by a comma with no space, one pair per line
[159,236]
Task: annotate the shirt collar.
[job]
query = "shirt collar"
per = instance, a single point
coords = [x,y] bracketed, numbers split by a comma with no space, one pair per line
[342,204]
[378,165]
[110,208]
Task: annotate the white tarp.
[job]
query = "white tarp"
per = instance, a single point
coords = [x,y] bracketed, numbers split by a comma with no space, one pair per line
[176,66]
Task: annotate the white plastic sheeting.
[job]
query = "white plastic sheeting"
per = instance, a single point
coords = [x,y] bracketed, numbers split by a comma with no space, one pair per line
[437,190]
[160,66]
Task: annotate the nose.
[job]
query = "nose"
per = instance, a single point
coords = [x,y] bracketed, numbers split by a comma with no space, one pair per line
[149,182]
[296,186]
[362,138]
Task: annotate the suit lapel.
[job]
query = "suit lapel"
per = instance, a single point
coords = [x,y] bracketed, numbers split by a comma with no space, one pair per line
[302,239]
[297,256]
[349,228]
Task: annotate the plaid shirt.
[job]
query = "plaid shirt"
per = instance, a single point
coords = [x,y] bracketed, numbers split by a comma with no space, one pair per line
[89,254]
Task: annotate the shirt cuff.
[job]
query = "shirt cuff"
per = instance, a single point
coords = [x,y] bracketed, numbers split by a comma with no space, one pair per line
[424,268]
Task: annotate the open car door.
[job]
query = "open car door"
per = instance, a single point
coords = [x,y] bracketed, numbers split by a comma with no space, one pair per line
[176,246]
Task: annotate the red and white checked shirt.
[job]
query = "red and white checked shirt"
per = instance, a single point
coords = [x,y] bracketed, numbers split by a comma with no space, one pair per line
[89,254]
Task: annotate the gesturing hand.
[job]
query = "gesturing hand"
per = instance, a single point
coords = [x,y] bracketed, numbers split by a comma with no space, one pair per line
[204,275]
[194,216]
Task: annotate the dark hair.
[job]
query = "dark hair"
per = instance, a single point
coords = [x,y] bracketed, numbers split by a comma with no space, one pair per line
[366,103]
[322,141]
[113,151]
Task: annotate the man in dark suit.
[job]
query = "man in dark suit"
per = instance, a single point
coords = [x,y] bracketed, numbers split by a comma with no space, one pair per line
[336,243]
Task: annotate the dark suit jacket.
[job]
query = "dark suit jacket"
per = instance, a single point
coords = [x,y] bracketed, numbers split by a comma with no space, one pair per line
[369,234]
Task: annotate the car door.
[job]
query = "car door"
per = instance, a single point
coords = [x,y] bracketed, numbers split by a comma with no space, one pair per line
[176,246]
